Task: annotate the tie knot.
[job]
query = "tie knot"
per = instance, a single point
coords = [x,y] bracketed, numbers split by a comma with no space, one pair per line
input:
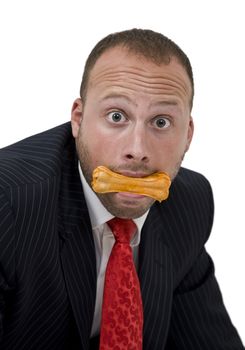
[123,229]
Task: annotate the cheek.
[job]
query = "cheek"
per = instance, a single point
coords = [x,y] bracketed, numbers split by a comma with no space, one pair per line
[180,140]
[100,147]
[172,147]
[170,152]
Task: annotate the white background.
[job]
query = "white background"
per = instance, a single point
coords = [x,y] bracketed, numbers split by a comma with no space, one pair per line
[43,46]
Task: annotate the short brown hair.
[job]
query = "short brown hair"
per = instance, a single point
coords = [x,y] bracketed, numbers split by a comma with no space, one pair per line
[151,45]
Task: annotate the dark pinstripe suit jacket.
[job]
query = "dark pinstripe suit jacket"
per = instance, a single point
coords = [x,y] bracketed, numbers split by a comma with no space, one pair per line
[47,257]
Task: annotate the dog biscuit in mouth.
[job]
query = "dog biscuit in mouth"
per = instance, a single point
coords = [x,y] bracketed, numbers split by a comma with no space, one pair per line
[155,185]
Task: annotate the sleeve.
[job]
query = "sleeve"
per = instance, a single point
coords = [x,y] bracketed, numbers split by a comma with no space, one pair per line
[7,273]
[199,317]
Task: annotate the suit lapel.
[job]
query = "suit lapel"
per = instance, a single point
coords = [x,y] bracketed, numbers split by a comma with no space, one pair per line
[77,247]
[155,276]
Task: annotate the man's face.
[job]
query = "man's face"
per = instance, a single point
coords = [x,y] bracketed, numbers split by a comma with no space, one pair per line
[135,121]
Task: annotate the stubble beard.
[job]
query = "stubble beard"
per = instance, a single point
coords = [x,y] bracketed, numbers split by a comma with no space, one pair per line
[108,199]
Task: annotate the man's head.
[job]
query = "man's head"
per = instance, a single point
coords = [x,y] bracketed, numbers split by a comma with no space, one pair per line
[148,44]
[134,112]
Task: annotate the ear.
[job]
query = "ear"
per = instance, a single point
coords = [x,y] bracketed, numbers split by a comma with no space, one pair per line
[76,116]
[189,133]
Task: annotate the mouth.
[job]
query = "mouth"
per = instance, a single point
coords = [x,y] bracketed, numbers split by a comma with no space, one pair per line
[130,195]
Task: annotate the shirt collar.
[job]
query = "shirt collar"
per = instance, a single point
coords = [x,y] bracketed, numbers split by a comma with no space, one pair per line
[98,214]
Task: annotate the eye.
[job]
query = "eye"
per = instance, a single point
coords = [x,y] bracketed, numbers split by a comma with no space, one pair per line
[116,117]
[161,122]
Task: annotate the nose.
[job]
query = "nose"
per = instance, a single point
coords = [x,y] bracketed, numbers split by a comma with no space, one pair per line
[137,145]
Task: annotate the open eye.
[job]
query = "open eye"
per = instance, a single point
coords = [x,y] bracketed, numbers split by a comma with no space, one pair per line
[161,122]
[116,117]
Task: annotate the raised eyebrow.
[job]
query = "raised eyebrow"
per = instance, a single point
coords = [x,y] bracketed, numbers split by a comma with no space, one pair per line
[164,103]
[117,97]
[171,105]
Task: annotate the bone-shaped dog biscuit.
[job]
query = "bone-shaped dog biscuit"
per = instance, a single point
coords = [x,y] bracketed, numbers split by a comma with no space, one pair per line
[155,185]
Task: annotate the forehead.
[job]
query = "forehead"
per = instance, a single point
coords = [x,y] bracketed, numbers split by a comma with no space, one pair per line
[117,70]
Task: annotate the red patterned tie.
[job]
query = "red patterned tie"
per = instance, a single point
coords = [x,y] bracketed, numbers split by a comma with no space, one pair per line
[122,312]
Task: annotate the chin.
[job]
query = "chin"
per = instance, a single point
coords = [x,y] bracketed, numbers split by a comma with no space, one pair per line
[126,206]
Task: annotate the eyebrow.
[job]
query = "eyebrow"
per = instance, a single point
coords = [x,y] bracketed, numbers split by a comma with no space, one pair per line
[124,97]
[165,103]
[118,97]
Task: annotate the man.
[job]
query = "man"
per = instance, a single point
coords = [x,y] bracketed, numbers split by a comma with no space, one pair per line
[133,117]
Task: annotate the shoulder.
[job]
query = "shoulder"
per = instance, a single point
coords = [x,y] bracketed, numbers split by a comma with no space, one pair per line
[189,180]
[191,196]
[193,189]
[34,158]
[186,217]
[29,186]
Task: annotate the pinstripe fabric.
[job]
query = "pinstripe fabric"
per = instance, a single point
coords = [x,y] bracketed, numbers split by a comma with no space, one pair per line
[179,289]
[47,258]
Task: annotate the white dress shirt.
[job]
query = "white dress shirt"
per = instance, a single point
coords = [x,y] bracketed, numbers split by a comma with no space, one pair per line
[104,241]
